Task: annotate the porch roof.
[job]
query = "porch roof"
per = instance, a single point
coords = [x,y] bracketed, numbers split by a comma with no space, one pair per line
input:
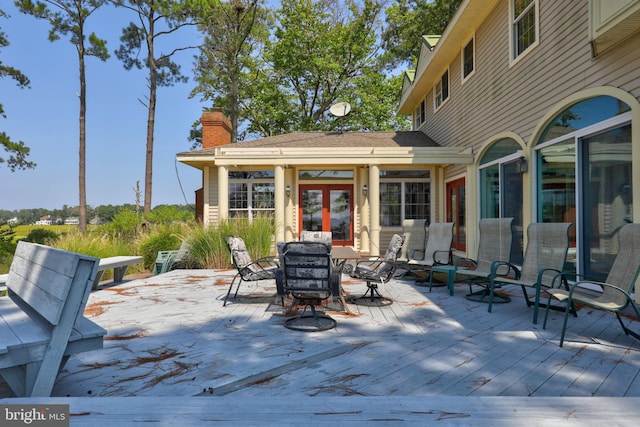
[334,148]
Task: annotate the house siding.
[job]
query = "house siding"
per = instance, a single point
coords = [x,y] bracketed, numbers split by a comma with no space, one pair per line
[212,208]
[518,99]
[500,97]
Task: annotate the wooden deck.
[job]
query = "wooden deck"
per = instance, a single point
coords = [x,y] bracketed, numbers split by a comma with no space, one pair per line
[169,336]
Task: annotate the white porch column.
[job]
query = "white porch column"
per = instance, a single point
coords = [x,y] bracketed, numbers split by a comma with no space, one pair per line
[223,193]
[472,215]
[279,183]
[374,207]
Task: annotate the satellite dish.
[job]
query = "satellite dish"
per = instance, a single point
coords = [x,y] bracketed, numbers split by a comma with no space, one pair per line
[340,109]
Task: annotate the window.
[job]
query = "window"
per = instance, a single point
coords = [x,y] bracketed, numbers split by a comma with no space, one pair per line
[501,188]
[251,194]
[468,59]
[325,174]
[404,194]
[441,90]
[584,176]
[420,114]
[524,26]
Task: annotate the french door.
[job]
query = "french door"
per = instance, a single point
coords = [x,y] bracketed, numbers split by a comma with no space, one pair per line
[456,213]
[328,207]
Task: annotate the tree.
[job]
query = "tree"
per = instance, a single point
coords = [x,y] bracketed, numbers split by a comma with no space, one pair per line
[156,19]
[407,21]
[376,97]
[321,49]
[234,31]
[18,151]
[69,17]
[318,53]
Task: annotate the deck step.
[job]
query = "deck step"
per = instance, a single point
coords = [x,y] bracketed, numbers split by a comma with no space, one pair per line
[351,410]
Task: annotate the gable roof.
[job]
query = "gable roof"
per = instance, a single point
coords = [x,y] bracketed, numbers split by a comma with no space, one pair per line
[434,60]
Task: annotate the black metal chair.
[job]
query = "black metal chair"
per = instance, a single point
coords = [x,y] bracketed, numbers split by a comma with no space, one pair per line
[248,270]
[307,275]
[376,271]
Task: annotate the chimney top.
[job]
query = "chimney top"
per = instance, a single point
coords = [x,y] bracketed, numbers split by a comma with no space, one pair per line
[216,128]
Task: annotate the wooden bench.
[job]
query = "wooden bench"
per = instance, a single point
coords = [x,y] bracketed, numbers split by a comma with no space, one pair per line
[42,319]
[119,264]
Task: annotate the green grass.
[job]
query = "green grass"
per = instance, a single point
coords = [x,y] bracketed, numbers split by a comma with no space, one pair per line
[23,230]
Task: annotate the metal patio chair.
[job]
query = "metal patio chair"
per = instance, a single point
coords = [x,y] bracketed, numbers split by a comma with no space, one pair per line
[544,258]
[437,249]
[496,237]
[415,237]
[248,270]
[376,271]
[325,237]
[170,260]
[308,276]
[616,289]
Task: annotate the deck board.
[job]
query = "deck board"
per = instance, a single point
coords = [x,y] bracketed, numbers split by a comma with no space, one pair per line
[169,335]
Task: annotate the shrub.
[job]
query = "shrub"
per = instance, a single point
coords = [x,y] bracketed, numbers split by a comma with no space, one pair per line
[7,247]
[125,225]
[166,214]
[42,236]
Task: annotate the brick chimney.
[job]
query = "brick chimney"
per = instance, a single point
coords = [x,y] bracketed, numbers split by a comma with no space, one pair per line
[216,128]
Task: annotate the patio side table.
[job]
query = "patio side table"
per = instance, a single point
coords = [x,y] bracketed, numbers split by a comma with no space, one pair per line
[449,270]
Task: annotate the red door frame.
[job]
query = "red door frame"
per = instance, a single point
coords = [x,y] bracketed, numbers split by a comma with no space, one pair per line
[326,208]
[453,188]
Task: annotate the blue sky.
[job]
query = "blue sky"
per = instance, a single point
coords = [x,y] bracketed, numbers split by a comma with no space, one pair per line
[46,116]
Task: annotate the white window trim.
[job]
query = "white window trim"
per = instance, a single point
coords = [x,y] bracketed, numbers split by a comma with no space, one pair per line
[418,113]
[576,136]
[444,101]
[500,162]
[251,210]
[513,60]
[468,76]
[402,182]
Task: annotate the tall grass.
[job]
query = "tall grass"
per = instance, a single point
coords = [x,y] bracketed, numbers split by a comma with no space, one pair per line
[98,245]
[208,245]
[94,244]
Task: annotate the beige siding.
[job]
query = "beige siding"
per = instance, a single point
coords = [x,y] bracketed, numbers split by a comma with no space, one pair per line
[501,98]
[213,198]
